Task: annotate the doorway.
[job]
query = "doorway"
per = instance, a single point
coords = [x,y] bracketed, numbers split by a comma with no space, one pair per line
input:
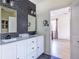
[54,28]
[60,32]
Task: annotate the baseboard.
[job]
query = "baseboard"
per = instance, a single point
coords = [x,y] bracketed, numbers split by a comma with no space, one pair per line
[63,39]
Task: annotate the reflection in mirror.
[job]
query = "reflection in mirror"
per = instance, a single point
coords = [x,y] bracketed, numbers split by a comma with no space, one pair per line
[31,23]
[8,20]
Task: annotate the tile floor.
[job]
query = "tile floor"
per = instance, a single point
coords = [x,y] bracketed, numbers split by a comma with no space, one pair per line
[44,56]
[60,49]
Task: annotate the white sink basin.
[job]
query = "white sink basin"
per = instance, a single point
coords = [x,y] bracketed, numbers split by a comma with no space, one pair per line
[9,40]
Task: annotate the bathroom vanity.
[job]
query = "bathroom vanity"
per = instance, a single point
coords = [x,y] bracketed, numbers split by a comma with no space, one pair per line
[22,48]
[14,21]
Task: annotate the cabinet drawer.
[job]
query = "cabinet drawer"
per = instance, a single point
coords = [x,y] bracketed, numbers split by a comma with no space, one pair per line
[32,45]
[32,56]
[9,51]
[39,51]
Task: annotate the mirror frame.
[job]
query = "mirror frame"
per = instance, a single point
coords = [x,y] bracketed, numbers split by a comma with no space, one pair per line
[33,32]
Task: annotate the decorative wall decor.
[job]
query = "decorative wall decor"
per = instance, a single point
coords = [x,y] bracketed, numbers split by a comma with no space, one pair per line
[45,23]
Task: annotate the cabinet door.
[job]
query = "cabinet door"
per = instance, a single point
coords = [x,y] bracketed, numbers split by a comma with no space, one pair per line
[40,45]
[9,51]
[0,52]
[22,49]
[32,55]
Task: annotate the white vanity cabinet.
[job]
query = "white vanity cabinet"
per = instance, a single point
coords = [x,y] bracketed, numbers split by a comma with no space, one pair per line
[32,55]
[36,47]
[9,51]
[30,48]
[40,45]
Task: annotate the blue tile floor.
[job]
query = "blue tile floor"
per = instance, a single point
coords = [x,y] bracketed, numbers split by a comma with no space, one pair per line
[53,57]
[44,56]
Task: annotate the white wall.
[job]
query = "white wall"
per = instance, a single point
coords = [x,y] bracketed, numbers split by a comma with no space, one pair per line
[64,26]
[41,29]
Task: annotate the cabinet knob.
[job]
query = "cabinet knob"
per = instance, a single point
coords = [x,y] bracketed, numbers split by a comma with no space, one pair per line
[37,47]
[33,48]
[32,56]
[17,58]
[78,41]
[32,41]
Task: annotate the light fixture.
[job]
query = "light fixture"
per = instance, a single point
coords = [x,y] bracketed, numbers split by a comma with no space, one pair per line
[11,3]
[32,11]
[4,1]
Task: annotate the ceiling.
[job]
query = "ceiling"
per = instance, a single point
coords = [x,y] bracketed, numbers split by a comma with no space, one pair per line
[48,5]
[36,1]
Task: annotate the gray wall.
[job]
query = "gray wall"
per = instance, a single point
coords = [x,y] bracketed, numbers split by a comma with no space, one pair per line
[23,8]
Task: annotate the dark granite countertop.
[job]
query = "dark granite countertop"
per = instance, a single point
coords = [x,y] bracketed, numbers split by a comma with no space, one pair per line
[4,41]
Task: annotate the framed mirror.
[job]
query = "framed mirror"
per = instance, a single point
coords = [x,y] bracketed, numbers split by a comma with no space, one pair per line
[8,20]
[31,23]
